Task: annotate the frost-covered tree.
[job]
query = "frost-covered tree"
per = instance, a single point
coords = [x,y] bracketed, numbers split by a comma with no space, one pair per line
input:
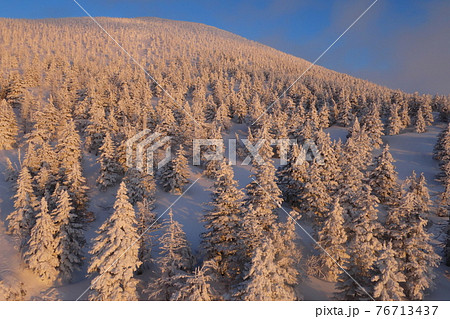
[267,279]
[383,178]
[11,289]
[222,222]
[175,174]
[198,286]
[69,237]
[332,239]
[394,121]
[420,258]
[427,112]
[411,242]
[363,247]
[345,116]
[8,126]
[211,166]
[176,260]
[350,182]
[41,255]
[420,125]
[44,180]
[263,191]
[21,220]
[292,177]
[109,167]
[263,198]
[442,147]
[418,187]
[68,147]
[264,136]
[329,168]
[358,150]
[324,117]
[140,185]
[374,126]
[147,223]
[76,186]
[388,276]
[444,201]
[315,199]
[355,129]
[96,127]
[115,253]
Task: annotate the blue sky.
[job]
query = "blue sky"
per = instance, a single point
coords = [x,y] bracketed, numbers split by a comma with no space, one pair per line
[399,43]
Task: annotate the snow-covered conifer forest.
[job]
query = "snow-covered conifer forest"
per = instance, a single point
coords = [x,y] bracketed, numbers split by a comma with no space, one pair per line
[370,221]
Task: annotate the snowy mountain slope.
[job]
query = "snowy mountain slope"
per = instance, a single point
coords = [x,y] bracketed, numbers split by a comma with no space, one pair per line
[201,66]
[410,150]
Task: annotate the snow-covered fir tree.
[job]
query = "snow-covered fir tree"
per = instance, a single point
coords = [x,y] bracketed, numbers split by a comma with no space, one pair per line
[404,115]
[76,186]
[388,276]
[115,254]
[351,182]
[411,242]
[175,261]
[374,126]
[292,177]
[362,248]
[332,239]
[96,127]
[211,166]
[418,187]
[420,125]
[324,116]
[174,175]
[315,198]
[41,255]
[198,286]
[420,258]
[12,289]
[394,124]
[140,185]
[263,198]
[222,222]
[345,116]
[442,147]
[69,237]
[109,167]
[444,201]
[68,147]
[329,167]
[147,223]
[267,279]
[8,126]
[22,219]
[383,178]
[264,136]
[427,112]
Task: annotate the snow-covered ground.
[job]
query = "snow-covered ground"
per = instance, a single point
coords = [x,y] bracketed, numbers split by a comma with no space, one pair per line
[411,151]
